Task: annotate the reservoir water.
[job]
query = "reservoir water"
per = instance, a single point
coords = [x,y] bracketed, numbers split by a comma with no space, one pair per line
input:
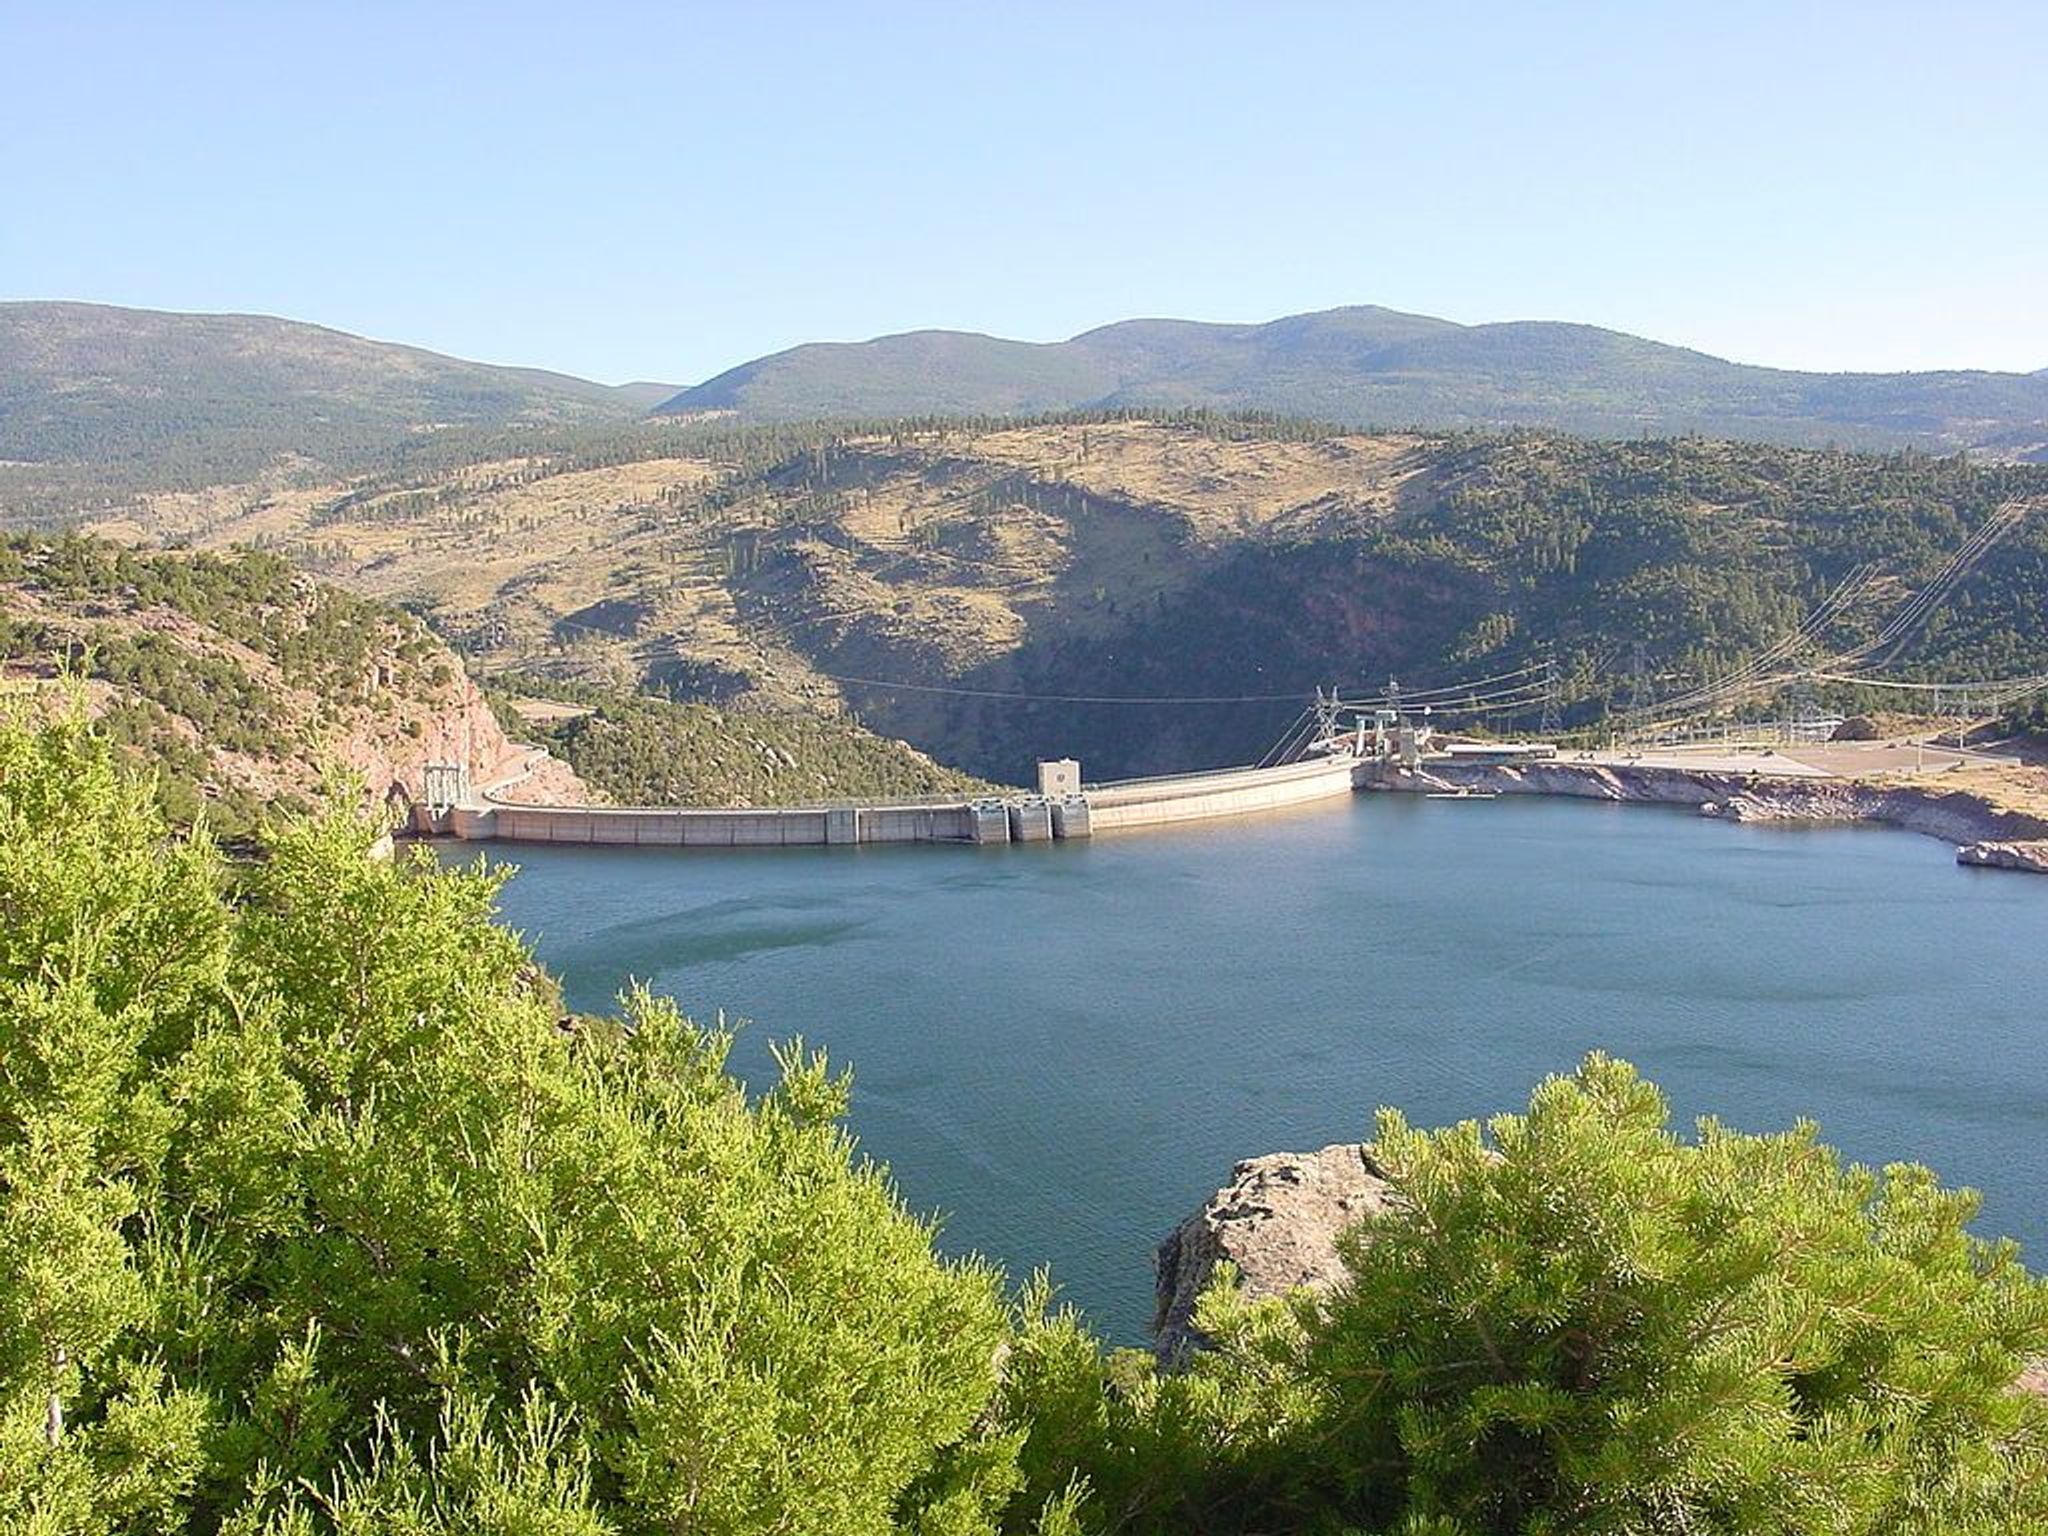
[1062,1048]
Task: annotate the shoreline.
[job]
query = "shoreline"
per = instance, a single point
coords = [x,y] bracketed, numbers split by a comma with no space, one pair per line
[1984,834]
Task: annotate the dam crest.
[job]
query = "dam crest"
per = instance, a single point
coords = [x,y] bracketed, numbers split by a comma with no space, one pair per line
[1064,808]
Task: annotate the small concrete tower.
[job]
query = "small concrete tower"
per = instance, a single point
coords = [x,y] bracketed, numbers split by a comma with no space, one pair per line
[1059,779]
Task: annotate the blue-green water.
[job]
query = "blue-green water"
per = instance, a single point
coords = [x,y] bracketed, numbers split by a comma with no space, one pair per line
[1064,1047]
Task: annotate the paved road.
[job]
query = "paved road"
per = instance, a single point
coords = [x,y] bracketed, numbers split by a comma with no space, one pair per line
[1858,757]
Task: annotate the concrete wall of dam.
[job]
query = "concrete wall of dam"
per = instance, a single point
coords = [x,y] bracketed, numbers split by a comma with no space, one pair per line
[664,827]
[1018,818]
[1229,792]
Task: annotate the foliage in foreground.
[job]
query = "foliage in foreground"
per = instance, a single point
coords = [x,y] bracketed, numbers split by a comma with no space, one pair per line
[1580,1322]
[315,1217]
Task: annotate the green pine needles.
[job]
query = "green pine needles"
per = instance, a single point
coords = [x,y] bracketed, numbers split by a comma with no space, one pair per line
[317,1216]
[1580,1322]
[1592,1325]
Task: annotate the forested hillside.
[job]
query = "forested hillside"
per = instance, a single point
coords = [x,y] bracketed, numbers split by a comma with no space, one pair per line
[642,749]
[241,683]
[978,587]
[96,400]
[1372,367]
[245,685]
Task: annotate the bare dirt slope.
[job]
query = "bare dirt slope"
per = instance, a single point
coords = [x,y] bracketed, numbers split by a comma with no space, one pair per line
[945,550]
[976,587]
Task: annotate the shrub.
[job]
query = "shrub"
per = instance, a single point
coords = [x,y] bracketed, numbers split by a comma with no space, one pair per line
[1585,1322]
[1577,1321]
[313,1215]
[316,1216]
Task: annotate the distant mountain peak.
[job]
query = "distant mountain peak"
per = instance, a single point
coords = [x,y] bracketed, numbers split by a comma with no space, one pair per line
[221,396]
[1369,365]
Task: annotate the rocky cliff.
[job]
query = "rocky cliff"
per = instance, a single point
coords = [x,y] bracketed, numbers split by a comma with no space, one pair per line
[246,684]
[402,732]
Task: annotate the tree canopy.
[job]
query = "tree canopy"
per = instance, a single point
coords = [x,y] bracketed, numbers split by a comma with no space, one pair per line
[315,1214]
[1577,1320]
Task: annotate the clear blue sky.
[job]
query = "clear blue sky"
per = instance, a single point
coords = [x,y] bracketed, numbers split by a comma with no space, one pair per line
[661,191]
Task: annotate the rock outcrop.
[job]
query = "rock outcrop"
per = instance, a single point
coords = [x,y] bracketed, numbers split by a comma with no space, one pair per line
[1953,815]
[389,745]
[2029,856]
[1277,1221]
[1956,816]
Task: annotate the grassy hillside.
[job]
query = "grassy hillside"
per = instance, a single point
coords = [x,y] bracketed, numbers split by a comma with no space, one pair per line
[973,561]
[96,398]
[640,750]
[1367,366]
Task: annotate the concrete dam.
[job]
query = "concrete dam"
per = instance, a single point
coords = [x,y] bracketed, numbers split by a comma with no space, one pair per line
[1064,808]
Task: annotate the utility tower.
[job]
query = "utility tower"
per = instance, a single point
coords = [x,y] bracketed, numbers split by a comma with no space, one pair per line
[1801,714]
[1551,722]
[1638,678]
[1326,714]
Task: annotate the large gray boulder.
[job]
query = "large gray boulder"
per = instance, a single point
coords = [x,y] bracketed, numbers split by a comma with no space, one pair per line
[1277,1220]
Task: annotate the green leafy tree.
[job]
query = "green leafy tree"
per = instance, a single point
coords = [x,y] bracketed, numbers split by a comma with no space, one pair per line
[315,1214]
[109,941]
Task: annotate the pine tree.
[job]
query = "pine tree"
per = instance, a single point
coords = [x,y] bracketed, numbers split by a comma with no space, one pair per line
[317,1215]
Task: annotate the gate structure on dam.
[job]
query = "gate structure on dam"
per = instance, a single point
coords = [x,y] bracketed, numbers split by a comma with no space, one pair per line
[443,786]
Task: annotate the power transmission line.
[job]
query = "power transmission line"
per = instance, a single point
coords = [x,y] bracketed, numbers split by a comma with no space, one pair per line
[1455,692]
[1071,698]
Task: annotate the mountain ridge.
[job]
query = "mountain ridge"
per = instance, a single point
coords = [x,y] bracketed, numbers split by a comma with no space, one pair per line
[1367,365]
[100,402]
[103,394]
